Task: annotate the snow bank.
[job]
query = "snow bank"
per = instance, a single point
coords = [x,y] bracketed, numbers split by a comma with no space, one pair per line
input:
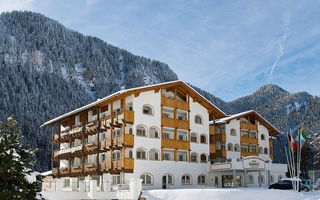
[226,194]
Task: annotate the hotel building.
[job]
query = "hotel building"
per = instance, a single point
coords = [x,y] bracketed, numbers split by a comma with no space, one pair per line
[166,134]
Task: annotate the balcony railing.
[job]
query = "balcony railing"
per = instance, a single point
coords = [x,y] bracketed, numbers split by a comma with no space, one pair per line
[129,116]
[174,103]
[245,154]
[117,164]
[68,150]
[175,144]
[105,144]
[105,166]
[90,167]
[220,137]
[91,147]
[248,140]
[248,126]
[128,140]
[175,123]
[128,163]
[76,170]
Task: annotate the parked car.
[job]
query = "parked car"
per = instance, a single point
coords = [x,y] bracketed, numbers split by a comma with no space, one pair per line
[287,184]
[306,185]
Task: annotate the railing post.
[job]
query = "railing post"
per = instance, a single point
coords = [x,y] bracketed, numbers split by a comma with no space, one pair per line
[93,189]
[135,188]
[107,185]
[81,186]
[59,185]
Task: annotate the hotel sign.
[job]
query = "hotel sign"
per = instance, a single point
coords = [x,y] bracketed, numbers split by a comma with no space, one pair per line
[254,163]
[221,166]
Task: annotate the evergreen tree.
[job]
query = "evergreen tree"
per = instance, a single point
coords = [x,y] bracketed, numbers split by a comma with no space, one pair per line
[16,163]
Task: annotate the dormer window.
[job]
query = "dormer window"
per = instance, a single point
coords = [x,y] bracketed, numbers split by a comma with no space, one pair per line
[198,119]
[147,110]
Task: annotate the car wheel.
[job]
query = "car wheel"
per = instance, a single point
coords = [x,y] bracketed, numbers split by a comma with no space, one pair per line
[305,189]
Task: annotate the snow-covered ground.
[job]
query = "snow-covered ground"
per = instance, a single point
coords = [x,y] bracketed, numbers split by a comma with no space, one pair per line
[226,194]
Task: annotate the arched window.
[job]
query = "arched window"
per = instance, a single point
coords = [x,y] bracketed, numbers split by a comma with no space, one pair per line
[141,154]
[141,131]
[236,147]
[202,180]
[280,177]
[153,154]
[170,179]
[233,132]
[203,158]
[186,179]
[147,110]
[250,179]
[265,150]
[154,132]
[263,137]
[261,178]
[194,137]
[147,179]
[198,119]
[194,157]
[260,150]
[203,139]
[230,147]
[271,178]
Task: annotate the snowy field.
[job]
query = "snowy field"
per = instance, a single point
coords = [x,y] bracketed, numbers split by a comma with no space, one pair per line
[226,194]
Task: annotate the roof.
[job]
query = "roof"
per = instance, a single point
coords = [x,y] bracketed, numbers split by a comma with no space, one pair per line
[132,90]
[266,123]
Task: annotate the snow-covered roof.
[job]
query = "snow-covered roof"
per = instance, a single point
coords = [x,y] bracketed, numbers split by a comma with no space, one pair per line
[245,113]
[121,92]
[47,173]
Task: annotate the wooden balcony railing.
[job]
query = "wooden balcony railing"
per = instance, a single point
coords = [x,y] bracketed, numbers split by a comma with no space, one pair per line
[212,148]
[248,126]
[105,166]
[90,168]
[175,144]
[211,129]
[220,137]
[129,116]
[64,171]
[175,123]
[183,145]
[220,154]
[76,170]
[91,148]
[117,164]
[128,140]
[128,163]
[174,103]
[105,144]
[248,140]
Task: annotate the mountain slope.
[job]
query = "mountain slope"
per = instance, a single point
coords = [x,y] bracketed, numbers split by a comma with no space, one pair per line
[47,70]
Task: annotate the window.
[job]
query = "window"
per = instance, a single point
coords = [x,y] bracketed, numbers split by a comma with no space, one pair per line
[265,150]
[218,145]
[261,178]
[182,135]
[116,155]
[154,154]
[198,119]
[263,137]
[170,179]
[271,178]
[116,179]
[147,110]
[194,137]
[103,157]
[233,132]
[250,179]
[141,131]
[223,145]
[253,148]
[154,132]
[203,158]
[66,183]
[236,147]
[186,179]
[203,139]
[182,115]
[280,177]
[146,179]
[194,157]
[85,141]
[168,133]
[230,147]
[168,155]
[253,134]
[244,133]
[260,150]
[244,148]
[141,154]
[202,180]
[183,156]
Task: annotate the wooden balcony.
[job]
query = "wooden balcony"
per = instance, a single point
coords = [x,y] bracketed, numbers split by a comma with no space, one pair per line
[105,144]
[212,148]
[248,126]
[270,143]
[175,144]
[174,103]
[64,171]
[117,164]
[220,137]
[128,140]
[248,140]
[105,166]
[211,129]
[128,163]
[91,148]
[92,128]
[183,145]
[76,170]
[220,154]
[117,141]
[245,154]
[89,168]
[129,116]
[175,123]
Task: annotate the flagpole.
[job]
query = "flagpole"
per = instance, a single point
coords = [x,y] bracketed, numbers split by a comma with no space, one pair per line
[288,156]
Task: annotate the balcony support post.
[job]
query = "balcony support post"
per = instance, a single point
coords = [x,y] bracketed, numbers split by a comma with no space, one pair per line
[52,145]
[59,128]
[98,138]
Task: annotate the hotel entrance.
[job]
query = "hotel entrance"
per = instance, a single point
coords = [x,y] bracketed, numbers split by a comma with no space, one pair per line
[227,181]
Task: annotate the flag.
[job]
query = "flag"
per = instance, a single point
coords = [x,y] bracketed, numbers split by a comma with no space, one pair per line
[303,139]
[291,143]
[284,141]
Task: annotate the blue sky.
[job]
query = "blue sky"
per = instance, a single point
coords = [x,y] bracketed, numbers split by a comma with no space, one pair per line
[229,48]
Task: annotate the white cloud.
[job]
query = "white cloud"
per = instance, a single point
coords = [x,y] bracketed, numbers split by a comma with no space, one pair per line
[10,5]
